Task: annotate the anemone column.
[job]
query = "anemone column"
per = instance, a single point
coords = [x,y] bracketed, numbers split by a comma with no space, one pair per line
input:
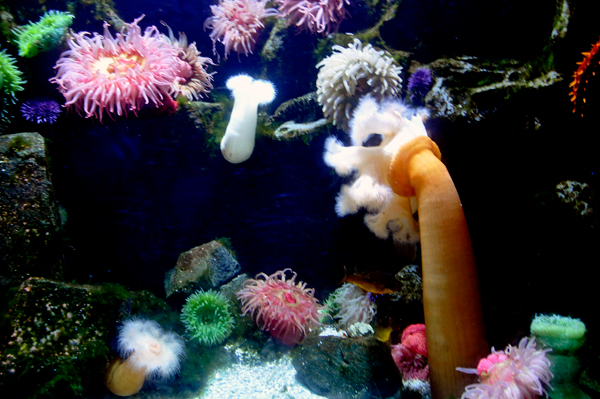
[451,299]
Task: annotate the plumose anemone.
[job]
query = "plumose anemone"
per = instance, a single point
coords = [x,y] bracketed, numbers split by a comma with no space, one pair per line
[145,350]
[280,306]
[207,317]
[350,73]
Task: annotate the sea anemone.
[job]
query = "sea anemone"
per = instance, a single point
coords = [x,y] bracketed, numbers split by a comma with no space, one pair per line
[519,372]
[192,80]
[388,213]
[10,77]
[41,111]
[10,83]
[103,74]
[410,355]
[280,306]
[237,24]
[317,16]
[351,305]
[145,350]
[207,317]
[585,71]
[561,333]
[419,84]
[238,143]
[348,74]
[43,35]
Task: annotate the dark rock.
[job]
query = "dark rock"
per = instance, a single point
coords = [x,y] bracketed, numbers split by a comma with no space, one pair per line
[29,219]
[347,368]
[55,340]
[207,266]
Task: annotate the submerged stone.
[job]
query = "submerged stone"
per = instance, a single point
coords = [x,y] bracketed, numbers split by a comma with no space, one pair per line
[29,218]
[206,266]
[347,368]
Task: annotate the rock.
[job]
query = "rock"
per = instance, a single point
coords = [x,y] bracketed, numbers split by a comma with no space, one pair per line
[54,343]
[29,218]
[347,368]
[207,266]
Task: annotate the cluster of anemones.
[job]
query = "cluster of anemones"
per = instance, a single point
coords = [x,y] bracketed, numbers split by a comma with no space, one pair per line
[237,24]
[103,74]
[518,372]
[351,72]
[317,16]
[281,306]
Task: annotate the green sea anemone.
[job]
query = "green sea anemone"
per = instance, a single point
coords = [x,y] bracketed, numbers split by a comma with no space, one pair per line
[558,332]
[10,76]
[43,35]
[207,317]
[10,83]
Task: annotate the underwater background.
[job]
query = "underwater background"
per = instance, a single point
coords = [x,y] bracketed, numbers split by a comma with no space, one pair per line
[130,194]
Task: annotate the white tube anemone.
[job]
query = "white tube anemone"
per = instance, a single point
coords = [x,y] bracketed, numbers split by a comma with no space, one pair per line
[238,143]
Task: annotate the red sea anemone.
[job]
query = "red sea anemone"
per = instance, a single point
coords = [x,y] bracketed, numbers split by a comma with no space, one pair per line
[519,372]
[318,16]
[117,75]
[279,305]
[410,354]
[237,23]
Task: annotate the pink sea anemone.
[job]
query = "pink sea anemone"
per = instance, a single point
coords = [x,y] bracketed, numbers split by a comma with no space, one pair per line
[237,24]
[192,80]
[317,16]
[410,355]
[520,372]
[284,308]
[103,74]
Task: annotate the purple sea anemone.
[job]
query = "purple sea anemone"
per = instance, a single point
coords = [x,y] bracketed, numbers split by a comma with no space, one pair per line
[518,372]
[419,83]
[41,111]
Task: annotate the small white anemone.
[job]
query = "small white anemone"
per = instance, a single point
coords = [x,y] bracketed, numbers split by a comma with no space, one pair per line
[147,346]
[238,143]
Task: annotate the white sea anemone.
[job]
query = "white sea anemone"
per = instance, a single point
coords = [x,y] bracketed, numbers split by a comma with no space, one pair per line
[354,305]
[238,143]
[388,213]
[150,348]
[145,351]
[349,73]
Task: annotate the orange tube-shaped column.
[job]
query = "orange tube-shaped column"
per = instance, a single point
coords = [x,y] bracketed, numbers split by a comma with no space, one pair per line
[451,298]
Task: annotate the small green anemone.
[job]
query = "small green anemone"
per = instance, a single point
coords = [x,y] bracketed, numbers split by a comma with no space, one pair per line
[561,333]
[207,317]
[43,35]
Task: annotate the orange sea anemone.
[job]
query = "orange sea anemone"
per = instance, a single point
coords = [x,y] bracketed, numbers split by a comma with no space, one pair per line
[145,351]
[451,298]
[581,76]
